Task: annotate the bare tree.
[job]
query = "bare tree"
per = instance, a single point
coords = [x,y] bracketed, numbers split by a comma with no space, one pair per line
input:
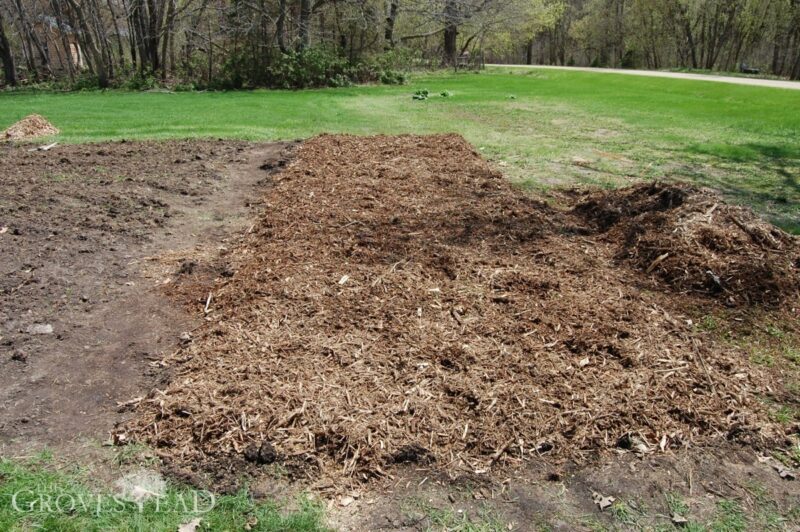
[246,41]
[9,71]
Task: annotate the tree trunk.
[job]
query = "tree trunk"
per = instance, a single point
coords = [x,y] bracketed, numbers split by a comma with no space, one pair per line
[391,16]
[305,23]
[169,24]
[9,72]
[153,35]
[529,52]
[795,73]
[101,39]
[450,31]
[33,40]
[619,29]
[280,26]
[120,47]
[688,33]
[55,4]
[97,58]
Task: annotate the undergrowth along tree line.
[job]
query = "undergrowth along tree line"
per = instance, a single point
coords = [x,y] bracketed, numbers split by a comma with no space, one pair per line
[231,44]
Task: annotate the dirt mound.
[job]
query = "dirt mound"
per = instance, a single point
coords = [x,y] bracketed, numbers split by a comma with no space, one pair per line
[400,302]
[693,241]
[31,126]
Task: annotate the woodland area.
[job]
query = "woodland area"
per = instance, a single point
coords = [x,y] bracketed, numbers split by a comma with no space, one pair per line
[228,44]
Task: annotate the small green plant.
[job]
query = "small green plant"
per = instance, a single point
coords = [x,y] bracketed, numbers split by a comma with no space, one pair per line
[591,523]
[792,354]
[766,510]
[729,517]
[453,520]
[785,414]
[460,521]
[676,504]
[794,453]
[623,513]
[775,332]
[45,456]
[134,453]
[708,323]
[421,94]
[679,514]
[445,94]
[762,357]
[59,177]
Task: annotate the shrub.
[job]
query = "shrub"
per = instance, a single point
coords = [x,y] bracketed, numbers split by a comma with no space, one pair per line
[300,69]
[393,77]
[138,82]
[184,87]
[313,67]
[398,59]
[85,81]
[629,60]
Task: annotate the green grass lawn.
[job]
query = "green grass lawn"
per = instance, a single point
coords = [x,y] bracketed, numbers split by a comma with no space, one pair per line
[36,495]
[544,128]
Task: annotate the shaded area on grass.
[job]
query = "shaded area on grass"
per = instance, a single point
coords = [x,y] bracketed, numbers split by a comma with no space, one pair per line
[776,197]
[748,152]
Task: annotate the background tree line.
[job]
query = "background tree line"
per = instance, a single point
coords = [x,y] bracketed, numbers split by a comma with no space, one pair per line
[300,43]
[657,34]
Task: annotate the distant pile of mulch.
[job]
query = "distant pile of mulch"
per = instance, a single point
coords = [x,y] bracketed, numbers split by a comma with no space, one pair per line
[32,126]
[400,302]
[694,242]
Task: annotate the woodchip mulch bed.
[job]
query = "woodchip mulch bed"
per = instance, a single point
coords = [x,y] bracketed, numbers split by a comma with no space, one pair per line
[400,301]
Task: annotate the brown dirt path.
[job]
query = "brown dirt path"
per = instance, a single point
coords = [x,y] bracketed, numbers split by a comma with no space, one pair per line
[82,323]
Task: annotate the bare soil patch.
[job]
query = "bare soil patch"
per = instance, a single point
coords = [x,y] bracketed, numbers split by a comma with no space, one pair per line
[82,324]
[548,496]
[399,302]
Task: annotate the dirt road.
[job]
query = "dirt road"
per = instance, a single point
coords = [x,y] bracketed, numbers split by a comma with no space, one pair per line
[756,82]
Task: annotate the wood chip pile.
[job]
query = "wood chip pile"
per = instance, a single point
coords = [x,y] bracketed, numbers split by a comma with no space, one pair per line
[31,126]
[400,301]
[696,243]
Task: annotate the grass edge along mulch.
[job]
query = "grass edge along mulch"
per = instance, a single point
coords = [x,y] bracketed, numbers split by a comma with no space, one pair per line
[400,302]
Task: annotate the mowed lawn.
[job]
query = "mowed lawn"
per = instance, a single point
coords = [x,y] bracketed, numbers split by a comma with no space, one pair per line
[543,128]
